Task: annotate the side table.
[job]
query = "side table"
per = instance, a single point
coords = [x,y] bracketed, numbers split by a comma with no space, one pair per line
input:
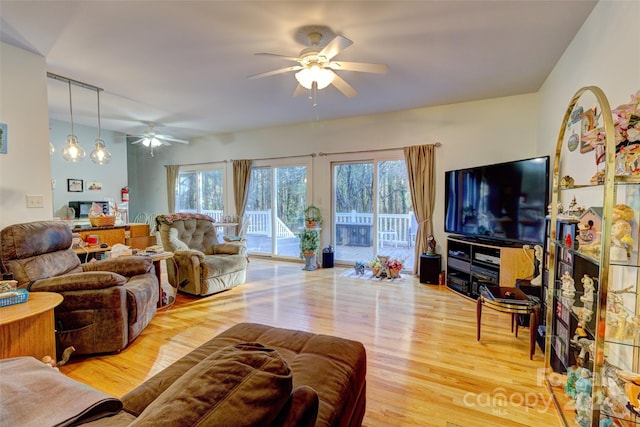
[28,328]
[495,297]
[157,257]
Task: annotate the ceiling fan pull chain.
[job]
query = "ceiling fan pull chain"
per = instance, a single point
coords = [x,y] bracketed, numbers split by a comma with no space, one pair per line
[314,91]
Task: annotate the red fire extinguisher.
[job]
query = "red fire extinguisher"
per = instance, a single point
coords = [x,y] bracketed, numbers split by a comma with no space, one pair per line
[125,194]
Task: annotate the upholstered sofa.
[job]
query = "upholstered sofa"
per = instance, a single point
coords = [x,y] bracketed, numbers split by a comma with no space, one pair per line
[106,303]
[249,375]
[202,265]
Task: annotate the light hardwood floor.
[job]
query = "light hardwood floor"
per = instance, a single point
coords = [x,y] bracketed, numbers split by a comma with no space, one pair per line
[425,367]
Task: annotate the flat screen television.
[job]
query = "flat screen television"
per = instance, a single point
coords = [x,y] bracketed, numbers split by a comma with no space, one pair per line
[500,203]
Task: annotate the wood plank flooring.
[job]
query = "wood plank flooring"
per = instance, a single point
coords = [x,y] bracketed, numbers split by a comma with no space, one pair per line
[425,367]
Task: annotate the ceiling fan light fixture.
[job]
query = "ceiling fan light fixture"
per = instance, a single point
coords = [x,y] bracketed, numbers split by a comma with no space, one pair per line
[314,73]
[151,142]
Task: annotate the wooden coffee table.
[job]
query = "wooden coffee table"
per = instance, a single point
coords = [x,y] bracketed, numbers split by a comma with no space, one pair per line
[512,301]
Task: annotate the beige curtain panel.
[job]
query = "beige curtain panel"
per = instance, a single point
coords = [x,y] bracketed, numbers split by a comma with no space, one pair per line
[172,182]
[420,169]
[241,178]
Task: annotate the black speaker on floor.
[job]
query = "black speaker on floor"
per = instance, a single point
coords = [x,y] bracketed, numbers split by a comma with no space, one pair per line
[430,268]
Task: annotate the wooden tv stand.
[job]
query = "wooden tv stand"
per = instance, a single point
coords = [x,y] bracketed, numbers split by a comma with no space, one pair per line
[472,263]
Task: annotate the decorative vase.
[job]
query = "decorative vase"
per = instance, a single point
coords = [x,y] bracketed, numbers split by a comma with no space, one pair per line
[376,271]
[394,274]
[310,262]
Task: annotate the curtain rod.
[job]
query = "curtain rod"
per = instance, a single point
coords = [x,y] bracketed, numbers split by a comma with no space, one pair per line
[75,82]
[200,164]
[283,157]
[437,144]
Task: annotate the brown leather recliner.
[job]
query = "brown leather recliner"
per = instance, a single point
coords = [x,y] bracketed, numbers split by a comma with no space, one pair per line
[106,303]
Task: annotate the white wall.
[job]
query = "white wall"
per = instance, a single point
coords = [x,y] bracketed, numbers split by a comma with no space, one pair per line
[112,176]
[471,133]
[600,55]
[604,53]
[25,169]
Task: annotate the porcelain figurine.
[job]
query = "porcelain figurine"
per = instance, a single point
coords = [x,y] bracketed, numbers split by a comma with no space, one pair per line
[584,385]
[568,285]
[589,288]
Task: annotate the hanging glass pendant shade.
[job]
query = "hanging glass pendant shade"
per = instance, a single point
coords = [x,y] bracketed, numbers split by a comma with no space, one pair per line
[72,151]
[100,155]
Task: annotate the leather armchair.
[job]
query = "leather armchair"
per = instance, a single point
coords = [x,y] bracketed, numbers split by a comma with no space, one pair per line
[202,265]
[106,303]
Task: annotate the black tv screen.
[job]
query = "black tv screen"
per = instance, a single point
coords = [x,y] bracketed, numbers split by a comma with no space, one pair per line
[499,202]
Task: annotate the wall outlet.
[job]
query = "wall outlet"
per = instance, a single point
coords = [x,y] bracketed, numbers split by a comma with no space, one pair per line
[35,201]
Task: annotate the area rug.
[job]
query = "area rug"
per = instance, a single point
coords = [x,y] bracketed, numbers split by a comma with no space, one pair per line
[368,275]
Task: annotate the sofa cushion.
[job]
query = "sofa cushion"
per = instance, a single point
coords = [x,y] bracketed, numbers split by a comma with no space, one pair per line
[218,265]
[79,282]
[34,238]
[334,367]
[241,385]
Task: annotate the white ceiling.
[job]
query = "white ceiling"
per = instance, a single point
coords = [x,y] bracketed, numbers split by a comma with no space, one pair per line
[184,64]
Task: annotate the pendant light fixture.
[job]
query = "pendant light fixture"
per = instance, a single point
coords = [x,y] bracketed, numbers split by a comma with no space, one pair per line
[100,155]
[72,151]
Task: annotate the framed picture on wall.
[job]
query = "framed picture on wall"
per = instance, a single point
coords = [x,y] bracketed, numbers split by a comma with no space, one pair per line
[94,186]
[74,185]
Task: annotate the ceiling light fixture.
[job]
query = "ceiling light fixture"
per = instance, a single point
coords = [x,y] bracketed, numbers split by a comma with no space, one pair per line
[72,151]
[314,73]
[151,142]
[100,155]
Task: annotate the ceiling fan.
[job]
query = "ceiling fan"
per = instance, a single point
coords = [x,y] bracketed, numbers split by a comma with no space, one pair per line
[316,67]
[152,139]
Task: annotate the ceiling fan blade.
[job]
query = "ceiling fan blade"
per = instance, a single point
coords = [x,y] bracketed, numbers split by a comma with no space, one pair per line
[334,47]
[359,66]
[138,141]
[274,72]
[172,139]
[344,87]
[300,90]
[291,58]
[164,142]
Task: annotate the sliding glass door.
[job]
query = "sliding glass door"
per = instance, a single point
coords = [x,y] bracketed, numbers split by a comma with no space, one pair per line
[275,209]
[353,219]
[372,211]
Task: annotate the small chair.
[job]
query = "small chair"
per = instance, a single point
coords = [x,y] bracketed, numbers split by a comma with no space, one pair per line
[202,265]
[242,234]
[390,236]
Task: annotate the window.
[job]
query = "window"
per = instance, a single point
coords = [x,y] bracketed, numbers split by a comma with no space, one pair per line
[201,191]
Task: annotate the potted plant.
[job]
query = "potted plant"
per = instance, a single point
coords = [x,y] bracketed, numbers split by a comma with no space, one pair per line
[312,217]
[309,242]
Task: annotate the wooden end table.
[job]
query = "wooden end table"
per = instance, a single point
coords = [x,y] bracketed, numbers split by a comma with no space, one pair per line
[157,257]
[515,302]
[28,328]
